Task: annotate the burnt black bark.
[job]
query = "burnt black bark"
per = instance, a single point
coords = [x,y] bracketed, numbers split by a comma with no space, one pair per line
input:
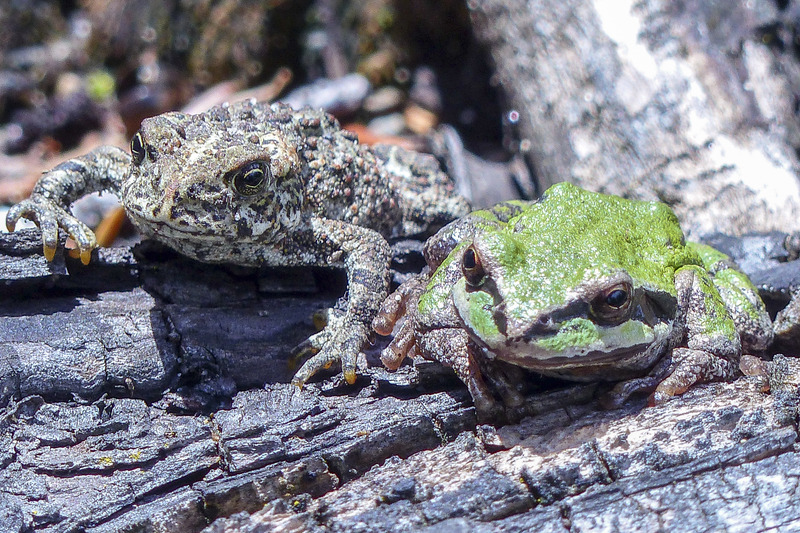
[161,402]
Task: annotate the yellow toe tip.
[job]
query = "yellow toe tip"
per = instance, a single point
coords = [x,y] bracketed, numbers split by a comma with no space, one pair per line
[49,252]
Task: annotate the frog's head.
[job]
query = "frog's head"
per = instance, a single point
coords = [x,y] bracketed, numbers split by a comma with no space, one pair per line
[206,184]
[577,284]
[606,318]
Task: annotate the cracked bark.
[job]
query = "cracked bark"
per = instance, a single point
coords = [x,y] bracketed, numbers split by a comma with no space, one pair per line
[189,423]
[210,451]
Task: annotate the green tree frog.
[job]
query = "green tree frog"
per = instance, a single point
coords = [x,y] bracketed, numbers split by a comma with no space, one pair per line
[578,285]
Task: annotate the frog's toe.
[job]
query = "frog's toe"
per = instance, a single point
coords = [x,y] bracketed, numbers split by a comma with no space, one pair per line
[617,396]
[393,355]
[488,410]
[392,310]
[383,324]
[504,381]
[402,302]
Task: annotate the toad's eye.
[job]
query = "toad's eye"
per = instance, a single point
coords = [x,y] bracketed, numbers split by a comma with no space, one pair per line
[138,148]
[613,304]
[249,179]
[472,268]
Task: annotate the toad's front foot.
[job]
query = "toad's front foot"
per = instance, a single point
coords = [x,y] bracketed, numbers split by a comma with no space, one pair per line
[50,216]
[340,340]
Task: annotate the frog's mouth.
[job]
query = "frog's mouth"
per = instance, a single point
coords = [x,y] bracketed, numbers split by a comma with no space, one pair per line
[581,349]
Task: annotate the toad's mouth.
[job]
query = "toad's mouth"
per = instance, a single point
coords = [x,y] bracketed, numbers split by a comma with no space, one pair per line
[164,229]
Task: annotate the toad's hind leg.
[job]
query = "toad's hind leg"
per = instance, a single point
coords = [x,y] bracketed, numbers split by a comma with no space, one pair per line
[428,196]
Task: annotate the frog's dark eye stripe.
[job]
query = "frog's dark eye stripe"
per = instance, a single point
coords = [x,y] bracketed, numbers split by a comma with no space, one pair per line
[249,179]
[138,148]
[472,268]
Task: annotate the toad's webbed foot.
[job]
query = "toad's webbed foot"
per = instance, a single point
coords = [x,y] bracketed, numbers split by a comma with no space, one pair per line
[340,340]
[365,255]
[102,169]
[50,216]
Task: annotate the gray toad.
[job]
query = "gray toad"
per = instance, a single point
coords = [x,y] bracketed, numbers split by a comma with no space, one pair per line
[253,183]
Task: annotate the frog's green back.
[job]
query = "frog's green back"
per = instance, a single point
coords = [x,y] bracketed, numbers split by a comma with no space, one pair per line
[571,236]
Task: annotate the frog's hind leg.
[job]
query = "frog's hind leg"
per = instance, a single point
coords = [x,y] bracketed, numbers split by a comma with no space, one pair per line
[711,348]
[741,299]
[691,367]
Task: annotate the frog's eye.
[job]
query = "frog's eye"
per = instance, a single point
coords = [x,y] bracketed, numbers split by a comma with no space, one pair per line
[249,179]
[472,268]
[613,303]
[138,148]
[617,298]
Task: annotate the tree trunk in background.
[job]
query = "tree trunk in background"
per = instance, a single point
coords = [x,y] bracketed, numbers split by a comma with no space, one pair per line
[675,101]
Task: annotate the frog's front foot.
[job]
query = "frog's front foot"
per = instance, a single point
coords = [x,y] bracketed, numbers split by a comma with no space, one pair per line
[672,377]
[690,367]
[401,303]
[50,216]
[340,340]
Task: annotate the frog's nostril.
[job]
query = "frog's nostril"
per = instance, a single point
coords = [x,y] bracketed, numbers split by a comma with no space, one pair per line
[541,325]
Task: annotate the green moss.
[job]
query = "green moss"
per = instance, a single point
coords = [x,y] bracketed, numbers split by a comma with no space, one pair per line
[575,333]
[576,236]
[715,319]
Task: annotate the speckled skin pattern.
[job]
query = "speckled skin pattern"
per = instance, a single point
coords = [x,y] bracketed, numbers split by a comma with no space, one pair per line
[580,286]
[252,184]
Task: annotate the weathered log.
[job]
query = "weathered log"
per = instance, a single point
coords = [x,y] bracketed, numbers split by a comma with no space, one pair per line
[179,438]
[680,102]
[721,458]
